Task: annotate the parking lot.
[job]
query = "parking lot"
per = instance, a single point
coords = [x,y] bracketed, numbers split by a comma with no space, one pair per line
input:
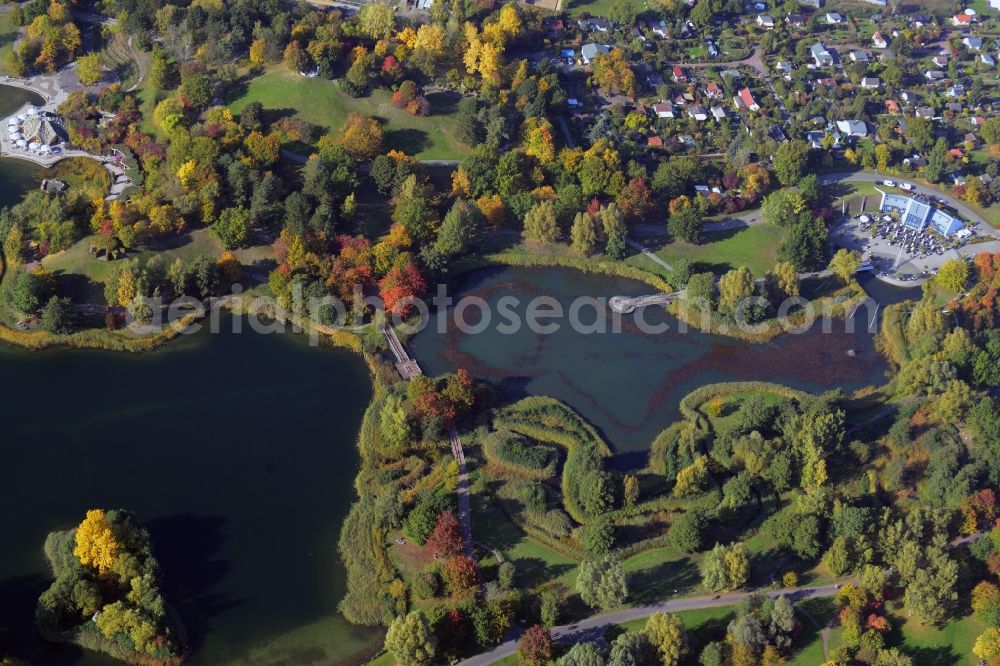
[901,254]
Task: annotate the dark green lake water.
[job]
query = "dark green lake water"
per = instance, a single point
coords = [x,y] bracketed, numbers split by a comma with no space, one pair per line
[238,452]
[628,384]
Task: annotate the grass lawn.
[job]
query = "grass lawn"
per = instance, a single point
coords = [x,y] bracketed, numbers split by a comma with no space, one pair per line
[86,275]
[595,7]
[950,645]
[147,99]
[534,562]
[323,103]
[653,575]
[755,247]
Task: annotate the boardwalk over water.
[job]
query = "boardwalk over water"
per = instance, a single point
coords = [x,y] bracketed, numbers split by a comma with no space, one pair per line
[408,369]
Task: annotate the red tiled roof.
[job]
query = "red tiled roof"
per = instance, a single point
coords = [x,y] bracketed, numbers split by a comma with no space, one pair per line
[747,97]
[654,142]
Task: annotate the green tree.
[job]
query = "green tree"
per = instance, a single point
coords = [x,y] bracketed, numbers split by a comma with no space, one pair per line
[936,161]
[57,316]
[845,263]
[686,225]
[233,228]
[395,425]
[725,567]
[920,133]
[90,69]
[624,12]
[782,208]
[790,161]
[601,583]
[667,636]
[15,246]
[597,537]
[376,19]
[685,532]
[460,229]
[614,230]
[540,223]
[631,649]
[583,236]
[954,403]
[411,640]
[30,290]
[838,557]
[583,654]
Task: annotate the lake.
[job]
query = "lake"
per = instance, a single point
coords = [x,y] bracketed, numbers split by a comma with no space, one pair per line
[16,176]
[629,384]
[237,451]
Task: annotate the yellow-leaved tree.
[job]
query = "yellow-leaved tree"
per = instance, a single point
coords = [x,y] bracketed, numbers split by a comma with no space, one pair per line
[96,545]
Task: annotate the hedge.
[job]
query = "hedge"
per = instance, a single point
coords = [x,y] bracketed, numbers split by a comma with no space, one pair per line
[510,455]
[548,420]
[891,339]
[689,404]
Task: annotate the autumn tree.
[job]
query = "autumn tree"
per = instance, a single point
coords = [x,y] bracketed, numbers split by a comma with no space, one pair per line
[90,69]
[987,645]
[411,640]
[446,539]
[582,233]
[537,140]
[734,288]
[631,490]
[784,279]
[535,646]
[725,567]
[953,275]
[459,575]
[540,223]
[612,71]
[666,633]
[361,136]
[845,263]
[96,545]
[376,19]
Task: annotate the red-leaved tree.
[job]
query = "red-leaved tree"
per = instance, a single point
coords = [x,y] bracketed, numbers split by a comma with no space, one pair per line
[535,646]
[446,539]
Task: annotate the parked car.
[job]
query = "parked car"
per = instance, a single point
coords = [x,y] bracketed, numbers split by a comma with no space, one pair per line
[906,186]
[888,183]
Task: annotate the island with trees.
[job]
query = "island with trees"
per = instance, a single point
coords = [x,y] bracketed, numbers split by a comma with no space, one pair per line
[107,595]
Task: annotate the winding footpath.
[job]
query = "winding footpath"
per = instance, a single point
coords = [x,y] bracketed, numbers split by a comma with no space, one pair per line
[595,626]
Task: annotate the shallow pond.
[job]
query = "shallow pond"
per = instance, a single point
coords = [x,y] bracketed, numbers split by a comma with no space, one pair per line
[628,384]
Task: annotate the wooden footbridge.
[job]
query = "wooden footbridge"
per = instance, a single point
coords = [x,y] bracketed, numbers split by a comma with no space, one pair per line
[626,304]
[408,367]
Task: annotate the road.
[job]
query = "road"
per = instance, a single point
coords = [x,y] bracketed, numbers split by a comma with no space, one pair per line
[594,627]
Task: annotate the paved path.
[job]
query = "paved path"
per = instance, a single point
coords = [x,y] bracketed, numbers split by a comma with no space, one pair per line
[648,253]
[462,492]
[595,626]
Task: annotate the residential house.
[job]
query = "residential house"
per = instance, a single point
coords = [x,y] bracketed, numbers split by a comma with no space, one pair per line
[879,41]
[744,100]
[600,24]
[820,55]
[870,82]
[934,75]
[924,112]
[970,139]
[698,113]
[920,20]
[590,51]
[833,18]
[956,91]
[777,134]
[797,20]
[784,66]
[860,56]
[659,29]
[765,21]
[713,91]
[880,3]
[654,81]
[962,20]
[663,110]
[654,142]
[855,128]
[816,137]
[679,75]
[977,121]
[687,140]
[718,113]
[713,50]
[973,43]
[940,60]
[815,4]
[988,60]
[892,107]
[826,82]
